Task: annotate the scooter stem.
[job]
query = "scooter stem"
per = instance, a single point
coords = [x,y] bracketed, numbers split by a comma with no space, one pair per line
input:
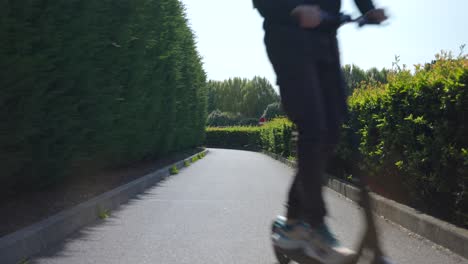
[370,239]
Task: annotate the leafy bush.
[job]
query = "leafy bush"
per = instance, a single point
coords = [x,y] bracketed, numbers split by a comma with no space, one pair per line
[416,127]
[355,77]
[273,111]
[94,84]
[248,122]
[276,136]
[222,119]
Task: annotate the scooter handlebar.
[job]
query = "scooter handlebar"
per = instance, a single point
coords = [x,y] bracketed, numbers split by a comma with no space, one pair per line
[364,21]
[341,19]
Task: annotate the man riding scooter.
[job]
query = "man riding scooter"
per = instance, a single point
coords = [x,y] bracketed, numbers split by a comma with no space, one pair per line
[305,56]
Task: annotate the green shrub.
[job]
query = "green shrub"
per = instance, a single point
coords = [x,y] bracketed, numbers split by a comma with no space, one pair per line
[222,119]
[416,127]
[273,111]
[248,122]
[95,84]
[276,136]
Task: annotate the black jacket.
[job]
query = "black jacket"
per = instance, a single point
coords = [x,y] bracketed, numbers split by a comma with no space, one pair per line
[279,11]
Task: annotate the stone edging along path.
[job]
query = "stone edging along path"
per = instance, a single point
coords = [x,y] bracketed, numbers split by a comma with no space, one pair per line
[18,246]
[442,233]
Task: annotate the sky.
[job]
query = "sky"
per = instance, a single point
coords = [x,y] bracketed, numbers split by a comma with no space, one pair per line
[229,35]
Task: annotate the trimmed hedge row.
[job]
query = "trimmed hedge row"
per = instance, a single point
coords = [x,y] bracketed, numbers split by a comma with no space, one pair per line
[413,133]
[95,83]
[237,137]
[274,136]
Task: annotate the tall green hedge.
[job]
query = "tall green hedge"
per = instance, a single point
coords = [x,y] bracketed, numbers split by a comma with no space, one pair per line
[276,137]
[414,130]
[95,83]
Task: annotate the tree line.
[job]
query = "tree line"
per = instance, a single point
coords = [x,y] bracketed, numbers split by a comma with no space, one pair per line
[355,76]
[240,101]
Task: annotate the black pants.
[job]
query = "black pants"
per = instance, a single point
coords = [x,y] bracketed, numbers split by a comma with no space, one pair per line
[312,91]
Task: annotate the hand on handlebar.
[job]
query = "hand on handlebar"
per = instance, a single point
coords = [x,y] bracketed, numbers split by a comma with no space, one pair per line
[376,16]
[308,16]
[311,16]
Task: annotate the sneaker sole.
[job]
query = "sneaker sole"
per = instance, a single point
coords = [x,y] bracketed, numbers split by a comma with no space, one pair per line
[297,247]
[287,244]
[296,255]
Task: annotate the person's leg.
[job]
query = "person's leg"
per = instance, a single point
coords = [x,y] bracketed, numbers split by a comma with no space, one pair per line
[293,204]
[295,64]
[303,101]
[317,143]
[334,87]
[308,110]
[305,200]
[308,104]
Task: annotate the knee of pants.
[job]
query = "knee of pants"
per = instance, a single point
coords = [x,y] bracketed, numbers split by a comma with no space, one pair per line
[319,137]
[332,137]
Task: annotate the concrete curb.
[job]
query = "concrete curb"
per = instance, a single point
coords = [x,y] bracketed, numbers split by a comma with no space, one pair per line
[442,233]
[20,245]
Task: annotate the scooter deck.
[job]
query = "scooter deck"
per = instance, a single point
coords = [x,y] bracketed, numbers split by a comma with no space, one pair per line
[287,256]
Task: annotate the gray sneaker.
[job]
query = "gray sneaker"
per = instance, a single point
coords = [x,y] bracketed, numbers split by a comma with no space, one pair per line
[317,243]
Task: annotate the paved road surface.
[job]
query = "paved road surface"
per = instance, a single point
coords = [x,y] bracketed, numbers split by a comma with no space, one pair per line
[219,211]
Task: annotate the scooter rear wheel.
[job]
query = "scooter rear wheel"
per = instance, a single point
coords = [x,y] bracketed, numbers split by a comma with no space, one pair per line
[282,258]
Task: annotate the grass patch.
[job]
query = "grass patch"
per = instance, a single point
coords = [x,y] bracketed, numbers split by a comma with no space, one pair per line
[24,261]
[174,170]
[103,213]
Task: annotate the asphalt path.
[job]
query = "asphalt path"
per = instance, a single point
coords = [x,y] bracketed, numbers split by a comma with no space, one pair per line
[219,210]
